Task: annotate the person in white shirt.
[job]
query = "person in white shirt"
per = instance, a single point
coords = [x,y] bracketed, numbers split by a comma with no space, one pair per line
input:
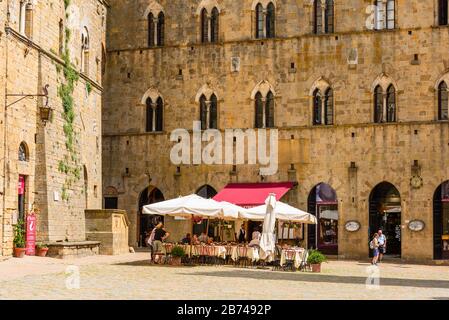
[382,245]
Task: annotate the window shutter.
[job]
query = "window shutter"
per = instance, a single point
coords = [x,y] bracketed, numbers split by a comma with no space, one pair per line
[203,113]
[329,16]
[150,30]
[259,21]
[378,105]
[318,23]
[149,124]
[271,20]
[215,25]
[160,115]
[317,107]
[269,111]
[160,29]
[391,104]
[442,101]
[329,106]
[204,27]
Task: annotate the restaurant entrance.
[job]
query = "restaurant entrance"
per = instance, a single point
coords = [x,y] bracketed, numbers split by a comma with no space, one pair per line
[147,222]
[323,204]
[385,214]
[441,222]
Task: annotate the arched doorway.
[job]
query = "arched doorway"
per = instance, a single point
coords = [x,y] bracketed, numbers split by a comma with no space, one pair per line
[385,214]
[323,203]
[203,225]
[148,222]
[441,222]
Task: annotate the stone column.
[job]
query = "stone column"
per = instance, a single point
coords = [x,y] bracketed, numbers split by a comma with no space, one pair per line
[208,104]
[323,109]
[385,108]
[323,18]
[156,27]
[264,27]
[209,28]
[264,113]
[153,110]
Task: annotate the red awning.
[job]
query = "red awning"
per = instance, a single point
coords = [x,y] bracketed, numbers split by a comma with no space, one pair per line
[252,194]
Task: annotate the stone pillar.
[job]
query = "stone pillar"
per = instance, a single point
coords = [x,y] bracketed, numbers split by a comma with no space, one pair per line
[156,26]
[264,112]
[208,104]
[385,108]
[153,111]
[323,19]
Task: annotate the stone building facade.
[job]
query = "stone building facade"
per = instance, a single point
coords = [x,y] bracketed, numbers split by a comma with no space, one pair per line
[51,167]
[380,124]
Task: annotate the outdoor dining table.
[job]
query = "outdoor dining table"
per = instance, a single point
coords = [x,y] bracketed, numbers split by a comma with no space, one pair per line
[252,253]
[296,253]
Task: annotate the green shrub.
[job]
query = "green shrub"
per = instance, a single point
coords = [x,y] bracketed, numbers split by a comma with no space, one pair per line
[178,252]
[316,257]
[19,234]
[40,246]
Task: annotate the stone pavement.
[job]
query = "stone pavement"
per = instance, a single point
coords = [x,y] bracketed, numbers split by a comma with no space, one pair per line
[131,277]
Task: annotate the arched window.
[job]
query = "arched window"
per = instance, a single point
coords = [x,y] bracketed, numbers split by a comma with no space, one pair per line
[443,101]
[154,115]
[160,29]
[269,111]
[151,28]
[317,104]
[329,16]
[149,115]
[378,104]
[204,26]
[271,21]
[159,115]
[259,111]
[203,112]
[443,12]
[85,44]
[318,17]
[214,25]
[329,107]
[391,104]
[213,113]
[259,21]
[23,152]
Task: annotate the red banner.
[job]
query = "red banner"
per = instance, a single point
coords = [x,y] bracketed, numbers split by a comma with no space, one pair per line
[21,185]
[31,235]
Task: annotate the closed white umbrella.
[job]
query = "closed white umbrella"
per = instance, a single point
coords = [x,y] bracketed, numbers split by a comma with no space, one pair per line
[268,240]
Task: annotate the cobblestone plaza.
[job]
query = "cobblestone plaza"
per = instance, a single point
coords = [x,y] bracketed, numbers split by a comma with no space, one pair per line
[132,277]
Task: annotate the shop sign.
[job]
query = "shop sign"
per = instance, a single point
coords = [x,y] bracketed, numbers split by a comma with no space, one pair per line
[31,235]
[352,226]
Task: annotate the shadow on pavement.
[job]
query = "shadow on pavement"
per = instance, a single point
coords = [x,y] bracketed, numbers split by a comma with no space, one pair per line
[309,277]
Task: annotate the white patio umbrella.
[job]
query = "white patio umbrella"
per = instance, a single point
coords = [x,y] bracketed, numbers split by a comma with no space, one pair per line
[187,206]
[284,212]
[268,240]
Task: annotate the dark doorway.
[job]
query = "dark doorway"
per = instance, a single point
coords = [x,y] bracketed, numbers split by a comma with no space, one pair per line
[441,222]
[385,215]
[148,222]
[21,197]
[323,204]
[206,192]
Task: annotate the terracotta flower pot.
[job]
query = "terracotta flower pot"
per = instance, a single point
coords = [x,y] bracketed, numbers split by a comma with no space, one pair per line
[176,261]
[316,268]
[42,252]
[19,252]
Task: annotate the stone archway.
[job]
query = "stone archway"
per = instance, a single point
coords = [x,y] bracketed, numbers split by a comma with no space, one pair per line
[385,214]
[323,203]
[147,222]
[441,222]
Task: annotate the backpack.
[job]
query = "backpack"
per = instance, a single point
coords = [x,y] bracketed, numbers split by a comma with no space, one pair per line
[371,244]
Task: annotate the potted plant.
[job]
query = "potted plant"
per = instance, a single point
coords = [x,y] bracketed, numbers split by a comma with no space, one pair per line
[315,259]
[41,250]
[19,239]
[177,254]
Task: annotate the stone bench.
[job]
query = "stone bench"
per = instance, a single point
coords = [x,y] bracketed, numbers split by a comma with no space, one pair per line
[70,250]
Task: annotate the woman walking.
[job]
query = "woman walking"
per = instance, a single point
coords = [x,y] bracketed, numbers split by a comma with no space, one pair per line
[374,245]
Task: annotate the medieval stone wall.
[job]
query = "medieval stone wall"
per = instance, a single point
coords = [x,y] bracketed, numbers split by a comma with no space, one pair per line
[412,58]
[60,184]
